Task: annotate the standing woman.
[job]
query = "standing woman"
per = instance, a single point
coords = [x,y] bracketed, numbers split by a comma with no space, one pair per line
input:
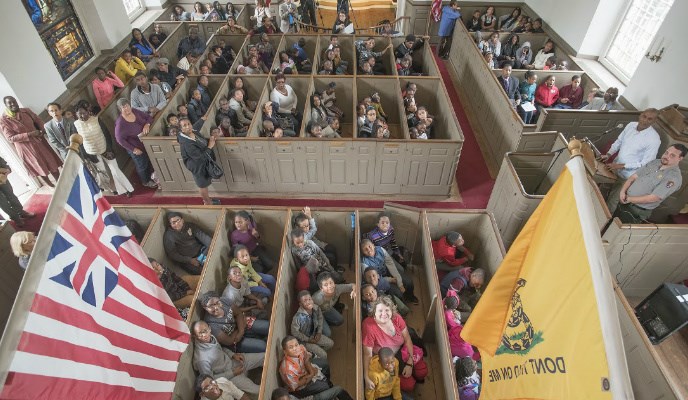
[261,11]
[137,40]
[196,151]
[286,99]
[130,126]
[98,143]
[22,127]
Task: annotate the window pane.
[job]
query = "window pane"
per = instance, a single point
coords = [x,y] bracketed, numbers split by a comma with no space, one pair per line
[638,29]
[132,6]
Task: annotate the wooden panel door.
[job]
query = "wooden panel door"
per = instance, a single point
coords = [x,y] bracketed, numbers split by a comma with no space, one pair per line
[259,173]
[235,165]
[429,167]
[336,156]
[310,166]
[389,167]
[361,166]
[285,168]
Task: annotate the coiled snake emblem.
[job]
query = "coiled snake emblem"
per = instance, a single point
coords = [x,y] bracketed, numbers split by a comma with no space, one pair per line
[519,325]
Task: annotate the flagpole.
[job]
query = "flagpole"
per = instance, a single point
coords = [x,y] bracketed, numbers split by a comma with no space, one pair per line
[75,142]
[575,147]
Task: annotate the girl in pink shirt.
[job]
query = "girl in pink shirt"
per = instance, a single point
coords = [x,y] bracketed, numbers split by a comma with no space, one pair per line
[105,85]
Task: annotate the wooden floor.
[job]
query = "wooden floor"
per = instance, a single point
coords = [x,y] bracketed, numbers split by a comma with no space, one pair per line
[342,357]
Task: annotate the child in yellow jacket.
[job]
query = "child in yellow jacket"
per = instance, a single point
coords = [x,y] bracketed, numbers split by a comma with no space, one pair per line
[384,372]
[262,284]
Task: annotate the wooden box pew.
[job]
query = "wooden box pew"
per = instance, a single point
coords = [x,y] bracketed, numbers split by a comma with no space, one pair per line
[288,42]
[390,98]
[180,97]
[206,218]
[274,40]
[248,11]
[345,101]
[522,183]
[481,235]
[498,127]
[586,123]
[431,95]
[348,52]
[669,125]
[143,215]
[256,127]
[423,58]
[302,88]
[167,27]
[334,227]
[656,371]
[207,29]
[387,59]
[12,274]
[235,41]
[242,54]
[643,256]
[169,47]
[253,87]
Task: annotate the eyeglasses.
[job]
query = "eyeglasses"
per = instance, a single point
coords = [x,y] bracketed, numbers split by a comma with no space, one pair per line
[175,221]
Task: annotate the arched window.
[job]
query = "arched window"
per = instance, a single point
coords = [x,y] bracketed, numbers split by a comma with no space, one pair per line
[634,36]
[134,8]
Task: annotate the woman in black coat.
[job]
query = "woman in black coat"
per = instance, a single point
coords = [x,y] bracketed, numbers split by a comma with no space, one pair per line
[195,151]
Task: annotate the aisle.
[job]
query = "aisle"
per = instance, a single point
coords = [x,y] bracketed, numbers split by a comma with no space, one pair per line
[473,178]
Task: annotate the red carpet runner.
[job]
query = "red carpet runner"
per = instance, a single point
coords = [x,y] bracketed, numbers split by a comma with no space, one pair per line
[473,178]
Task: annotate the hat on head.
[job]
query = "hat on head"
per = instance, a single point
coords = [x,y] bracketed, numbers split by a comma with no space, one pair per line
[162,60]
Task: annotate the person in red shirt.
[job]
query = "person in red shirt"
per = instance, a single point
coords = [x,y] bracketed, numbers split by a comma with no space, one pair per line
[546,94]
[571,96]
[450,252]
[306,277]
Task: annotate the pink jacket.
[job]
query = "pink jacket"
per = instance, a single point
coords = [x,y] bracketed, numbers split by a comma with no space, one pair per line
[105,90]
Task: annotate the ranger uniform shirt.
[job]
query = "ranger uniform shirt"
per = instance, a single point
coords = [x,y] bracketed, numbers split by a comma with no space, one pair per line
[652,180]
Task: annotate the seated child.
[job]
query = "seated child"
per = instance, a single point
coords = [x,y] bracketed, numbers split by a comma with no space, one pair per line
[467,378]
[368,296]
[413,133]
[375,102]
[239,293]
[452,316]
[421,130]
[377,258]
[328,298]
[269,130]
[467,282]
[450,252]
[302,376]
[308,254]
[180,290]
[307,277]
[332,129]
[259,283]
[309,326]
[172,124]
[306,223]
[246,233]
[383,235]
[329,101]
[384,373]
[381,130]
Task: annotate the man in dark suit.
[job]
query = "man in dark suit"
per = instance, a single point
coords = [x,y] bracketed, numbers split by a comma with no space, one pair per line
[58,130]
[509,84]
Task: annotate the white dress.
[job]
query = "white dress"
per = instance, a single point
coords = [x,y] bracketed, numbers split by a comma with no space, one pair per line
[95,145]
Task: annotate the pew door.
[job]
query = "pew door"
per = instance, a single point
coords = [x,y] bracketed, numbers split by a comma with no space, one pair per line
[406,223]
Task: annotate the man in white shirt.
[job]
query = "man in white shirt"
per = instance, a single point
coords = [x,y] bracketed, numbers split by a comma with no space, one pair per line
[637,145]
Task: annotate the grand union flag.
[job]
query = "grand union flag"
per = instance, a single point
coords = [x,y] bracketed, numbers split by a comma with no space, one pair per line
[91,320]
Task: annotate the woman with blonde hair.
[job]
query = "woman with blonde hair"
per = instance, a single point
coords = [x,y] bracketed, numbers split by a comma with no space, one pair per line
[22,244]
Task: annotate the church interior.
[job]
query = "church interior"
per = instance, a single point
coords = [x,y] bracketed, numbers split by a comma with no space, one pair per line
[469,165]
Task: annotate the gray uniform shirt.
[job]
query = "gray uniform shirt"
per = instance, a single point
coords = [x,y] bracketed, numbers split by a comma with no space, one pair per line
[652,180]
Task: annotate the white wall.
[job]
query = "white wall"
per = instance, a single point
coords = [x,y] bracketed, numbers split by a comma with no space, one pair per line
[27,65]
[602,28]
[568,19]
[105,22]
[664,83]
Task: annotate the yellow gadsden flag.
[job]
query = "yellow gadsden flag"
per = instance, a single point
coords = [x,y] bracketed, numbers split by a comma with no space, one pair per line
[547,325]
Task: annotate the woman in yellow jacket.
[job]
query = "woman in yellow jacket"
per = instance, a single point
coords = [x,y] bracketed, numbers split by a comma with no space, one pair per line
[127,66]
[384,372]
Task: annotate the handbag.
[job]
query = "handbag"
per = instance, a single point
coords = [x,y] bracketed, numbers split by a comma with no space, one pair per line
[214,169]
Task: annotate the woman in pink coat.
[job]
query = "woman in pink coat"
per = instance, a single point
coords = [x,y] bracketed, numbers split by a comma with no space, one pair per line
[22,127]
